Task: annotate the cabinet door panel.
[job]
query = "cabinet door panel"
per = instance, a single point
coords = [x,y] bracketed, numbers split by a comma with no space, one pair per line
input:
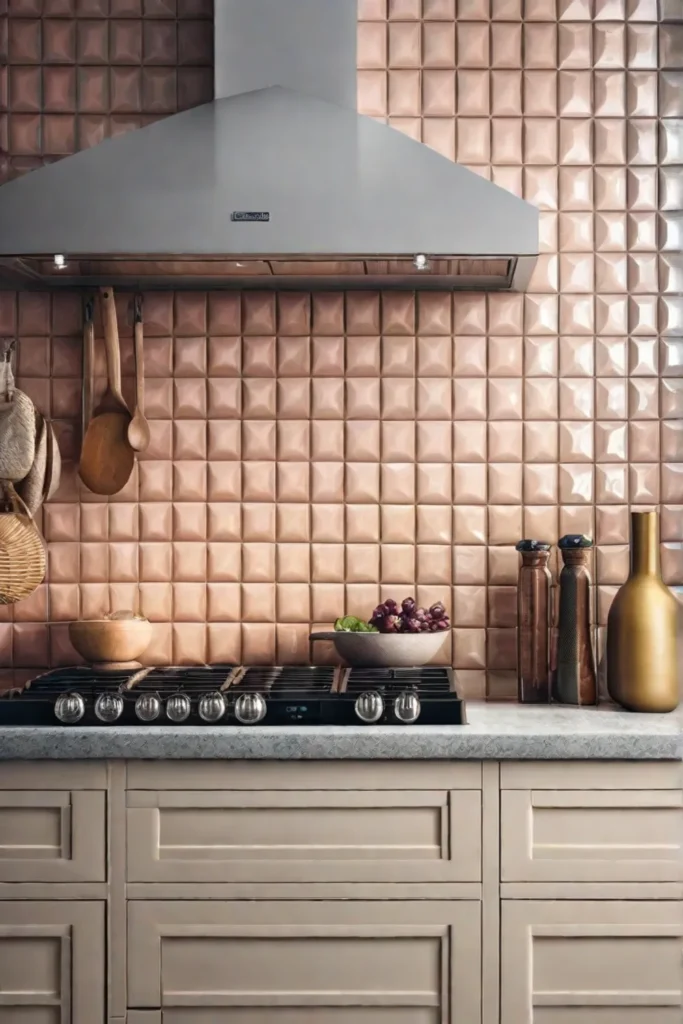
[52,836]
[324,962]
[51,962]
[590,962]
[591,836]
[306,836]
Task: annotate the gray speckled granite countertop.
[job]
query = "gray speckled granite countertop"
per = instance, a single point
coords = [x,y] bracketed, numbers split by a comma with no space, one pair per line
[494,732]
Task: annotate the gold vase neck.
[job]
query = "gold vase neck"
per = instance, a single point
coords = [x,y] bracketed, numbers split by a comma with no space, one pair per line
[644,544]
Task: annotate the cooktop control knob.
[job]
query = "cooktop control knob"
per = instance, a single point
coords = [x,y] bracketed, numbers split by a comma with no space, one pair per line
[109,707]
[250,708]
[369,707]
[178,707]
[407,707]
[69,708]
[211,706]
[148,707]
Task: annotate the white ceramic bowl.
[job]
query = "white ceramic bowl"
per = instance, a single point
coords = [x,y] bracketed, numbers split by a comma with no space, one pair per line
[382,650]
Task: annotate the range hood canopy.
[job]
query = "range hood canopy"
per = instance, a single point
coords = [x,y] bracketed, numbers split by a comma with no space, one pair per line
[278,182]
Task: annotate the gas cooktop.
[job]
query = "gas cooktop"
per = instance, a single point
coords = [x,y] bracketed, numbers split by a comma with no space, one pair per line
[236,695]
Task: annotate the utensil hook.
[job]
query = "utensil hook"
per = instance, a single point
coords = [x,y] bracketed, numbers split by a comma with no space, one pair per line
[7,371]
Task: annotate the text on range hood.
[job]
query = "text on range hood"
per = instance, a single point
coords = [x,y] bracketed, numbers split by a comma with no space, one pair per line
[278,182]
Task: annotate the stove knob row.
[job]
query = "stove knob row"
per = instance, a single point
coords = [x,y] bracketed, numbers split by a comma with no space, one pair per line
[369,707]
[407,707]
[178,708]
[211,706]
[250,708]
[148,707]
[109,707]
[69,708]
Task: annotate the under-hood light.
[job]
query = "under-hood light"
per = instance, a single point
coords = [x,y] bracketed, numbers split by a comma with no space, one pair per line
[421,262]
[60,261]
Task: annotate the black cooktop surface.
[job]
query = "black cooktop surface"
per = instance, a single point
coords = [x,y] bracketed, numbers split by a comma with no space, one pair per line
[236,695]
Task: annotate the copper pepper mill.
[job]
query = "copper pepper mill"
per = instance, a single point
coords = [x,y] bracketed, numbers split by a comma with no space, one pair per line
[533,623]
[574,679]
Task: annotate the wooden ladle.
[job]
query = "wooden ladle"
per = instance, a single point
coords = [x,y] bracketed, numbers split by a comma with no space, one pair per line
[106,456]
[138,428]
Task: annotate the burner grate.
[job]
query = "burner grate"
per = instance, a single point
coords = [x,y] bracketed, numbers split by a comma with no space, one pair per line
[293,694]
[192,679]
[428,682]
[288,678]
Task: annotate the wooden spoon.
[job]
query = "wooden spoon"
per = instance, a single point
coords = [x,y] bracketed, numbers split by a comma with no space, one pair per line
[107,457]
[138,428]
[53,469]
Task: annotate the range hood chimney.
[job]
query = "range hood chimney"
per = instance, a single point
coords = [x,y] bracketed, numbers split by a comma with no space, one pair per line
[276,183]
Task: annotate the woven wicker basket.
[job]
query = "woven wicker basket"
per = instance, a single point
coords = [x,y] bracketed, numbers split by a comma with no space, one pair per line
[22,553]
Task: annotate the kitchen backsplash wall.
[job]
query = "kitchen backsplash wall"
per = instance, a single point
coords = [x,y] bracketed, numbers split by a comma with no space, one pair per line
[311,453]
[75,72]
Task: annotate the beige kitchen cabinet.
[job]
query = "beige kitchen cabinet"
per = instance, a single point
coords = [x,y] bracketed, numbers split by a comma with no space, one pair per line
[318,962]
[590,962]
[52,836]
[376,892]
[52,962]
[591,823]
[591,836]
[52,822]
[304,836]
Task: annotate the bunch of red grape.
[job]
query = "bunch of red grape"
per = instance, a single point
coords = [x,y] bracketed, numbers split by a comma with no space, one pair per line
[389,618]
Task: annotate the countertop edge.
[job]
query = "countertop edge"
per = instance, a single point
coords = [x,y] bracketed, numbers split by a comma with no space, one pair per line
[500,732]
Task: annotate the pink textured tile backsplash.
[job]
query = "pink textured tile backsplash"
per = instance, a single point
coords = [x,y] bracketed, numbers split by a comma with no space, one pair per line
[301,473]
[312,453]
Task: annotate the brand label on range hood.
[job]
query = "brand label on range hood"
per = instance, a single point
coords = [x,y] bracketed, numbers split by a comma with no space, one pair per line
[258,216]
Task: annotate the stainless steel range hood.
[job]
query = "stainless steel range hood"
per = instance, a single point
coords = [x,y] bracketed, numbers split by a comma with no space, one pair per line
[278,182]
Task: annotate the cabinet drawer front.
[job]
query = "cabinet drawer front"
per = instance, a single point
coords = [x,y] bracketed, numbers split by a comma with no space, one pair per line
[591,836]
[52,836]
[311,836]
[51,962]
[303,775]
[590,962]
[591,774]
[63,775]
[250,961]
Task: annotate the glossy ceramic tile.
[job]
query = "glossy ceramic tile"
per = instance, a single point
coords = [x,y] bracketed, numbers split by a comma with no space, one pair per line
[87,74]
[313,452]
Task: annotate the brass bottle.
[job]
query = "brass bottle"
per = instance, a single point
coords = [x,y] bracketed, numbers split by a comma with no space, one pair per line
[574,679]
[641,628]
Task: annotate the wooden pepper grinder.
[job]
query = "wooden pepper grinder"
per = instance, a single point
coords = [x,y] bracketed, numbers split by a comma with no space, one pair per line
[574,679]
[533,623]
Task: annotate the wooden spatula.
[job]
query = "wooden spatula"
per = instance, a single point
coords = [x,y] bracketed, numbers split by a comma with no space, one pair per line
[106,456]
[138,428]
